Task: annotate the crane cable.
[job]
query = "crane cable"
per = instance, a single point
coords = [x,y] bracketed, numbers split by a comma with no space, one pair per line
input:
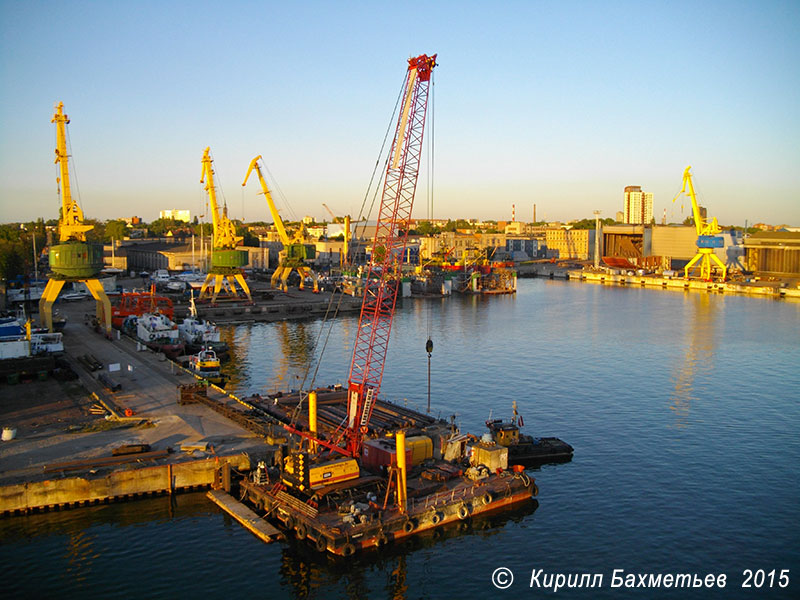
[76,197]
[327,316]
[378,163]
[281,196]
[431,154]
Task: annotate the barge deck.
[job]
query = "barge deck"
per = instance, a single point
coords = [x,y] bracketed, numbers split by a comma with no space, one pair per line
[344,519]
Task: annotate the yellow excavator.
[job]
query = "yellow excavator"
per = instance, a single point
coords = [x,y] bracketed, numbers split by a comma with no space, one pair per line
[707,238]
[73,259]
[296,251]
[226,260]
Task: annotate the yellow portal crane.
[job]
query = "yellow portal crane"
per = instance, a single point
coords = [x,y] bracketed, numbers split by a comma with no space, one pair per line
[73,259]
[707,238]
[226,260]
[295,250]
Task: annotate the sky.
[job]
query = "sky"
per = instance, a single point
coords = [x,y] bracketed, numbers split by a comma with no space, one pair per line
[558,104]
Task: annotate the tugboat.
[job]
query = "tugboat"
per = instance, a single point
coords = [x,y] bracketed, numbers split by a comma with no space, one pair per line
[525,449]
[206,364]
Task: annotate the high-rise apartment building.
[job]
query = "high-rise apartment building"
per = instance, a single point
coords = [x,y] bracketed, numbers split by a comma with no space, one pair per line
[638,206]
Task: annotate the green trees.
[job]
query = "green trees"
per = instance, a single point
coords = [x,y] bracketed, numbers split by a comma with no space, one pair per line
[116,230]
[160,227]
[17,242]
[590,223]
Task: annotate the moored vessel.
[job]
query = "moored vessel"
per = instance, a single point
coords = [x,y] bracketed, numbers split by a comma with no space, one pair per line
[207,365]
[158,332]
[525,449]
[198,334]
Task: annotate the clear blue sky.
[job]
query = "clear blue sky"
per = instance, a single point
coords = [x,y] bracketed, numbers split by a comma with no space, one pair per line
[559,103]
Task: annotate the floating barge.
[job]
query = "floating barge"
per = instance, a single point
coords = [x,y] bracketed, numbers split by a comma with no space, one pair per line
[343,518]
[341,505]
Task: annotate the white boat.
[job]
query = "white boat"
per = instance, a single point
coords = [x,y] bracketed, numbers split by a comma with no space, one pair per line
[74,296]
[198,333]
[14,341]
[32,293]
[160,333]
[176,286]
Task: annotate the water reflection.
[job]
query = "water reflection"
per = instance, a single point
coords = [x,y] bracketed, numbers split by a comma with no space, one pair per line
[698,320]
[270,357]
[309,574]
[80,555]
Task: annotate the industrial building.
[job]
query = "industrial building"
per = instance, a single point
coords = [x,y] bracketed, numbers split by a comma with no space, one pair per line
[570,243]
[773,253]
[664,246]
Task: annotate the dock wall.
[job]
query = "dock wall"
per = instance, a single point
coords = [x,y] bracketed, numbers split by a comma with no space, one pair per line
[679,283]
[69,492]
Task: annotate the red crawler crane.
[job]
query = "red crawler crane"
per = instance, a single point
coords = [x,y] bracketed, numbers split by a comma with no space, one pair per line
[380,290]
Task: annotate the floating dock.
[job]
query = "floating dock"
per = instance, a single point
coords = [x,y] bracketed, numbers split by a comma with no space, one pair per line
[246,517]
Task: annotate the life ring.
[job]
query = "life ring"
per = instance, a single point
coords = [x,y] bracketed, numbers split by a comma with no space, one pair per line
[322,543]
[408,526]
[364,429]
[487,498]
[463,512]
[301,531]
[128,412]
[535,490]
[348,549]
[289,522]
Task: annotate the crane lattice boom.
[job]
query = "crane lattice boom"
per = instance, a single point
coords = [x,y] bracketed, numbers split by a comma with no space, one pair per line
[380,290]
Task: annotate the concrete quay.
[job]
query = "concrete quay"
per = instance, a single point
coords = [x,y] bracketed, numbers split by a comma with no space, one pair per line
[762,289]
[55,422]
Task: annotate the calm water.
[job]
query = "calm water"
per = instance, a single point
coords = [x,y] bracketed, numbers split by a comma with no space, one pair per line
[682,408]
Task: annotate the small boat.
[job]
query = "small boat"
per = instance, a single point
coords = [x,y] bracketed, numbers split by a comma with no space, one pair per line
[525,449]
[176,286]
[75,296]
[198,333]
[59,321]
[206,364]
[159,333]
